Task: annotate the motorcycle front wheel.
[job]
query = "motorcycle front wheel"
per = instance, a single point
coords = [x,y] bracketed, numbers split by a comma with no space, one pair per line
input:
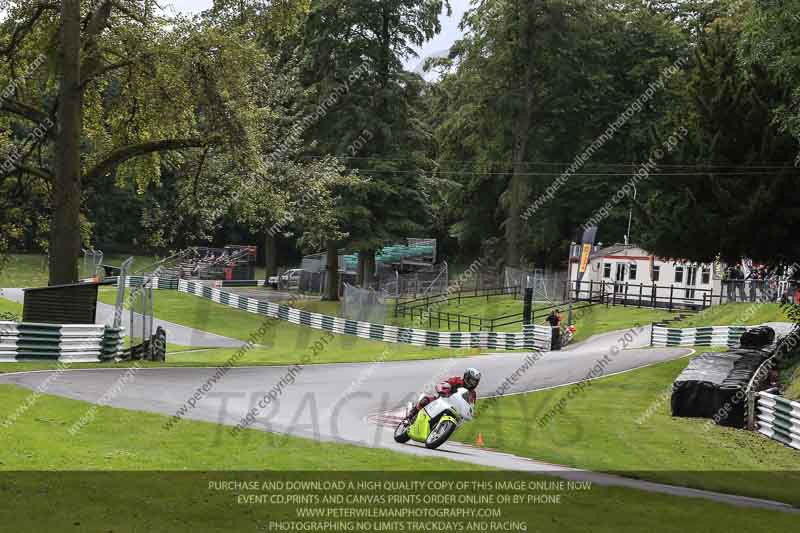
[401,432]
[440,434]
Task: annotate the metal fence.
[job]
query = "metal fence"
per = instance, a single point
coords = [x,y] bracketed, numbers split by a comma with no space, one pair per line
[548,286]
[92,261]
[681,296]
[425,310]
[365,305]
[742,291]
[141,314]
[431,280]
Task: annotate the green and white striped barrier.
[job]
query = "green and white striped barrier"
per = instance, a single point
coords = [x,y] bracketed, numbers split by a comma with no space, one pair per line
[532,337]
[709,336]
[778,419]
[137,281]
[21,341]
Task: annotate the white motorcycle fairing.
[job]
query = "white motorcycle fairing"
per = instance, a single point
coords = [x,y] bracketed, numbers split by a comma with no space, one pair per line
[455,401]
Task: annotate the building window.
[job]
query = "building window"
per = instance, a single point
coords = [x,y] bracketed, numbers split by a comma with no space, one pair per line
[634,270]
[679,274]
[706,276]
[656,273]
[607,270]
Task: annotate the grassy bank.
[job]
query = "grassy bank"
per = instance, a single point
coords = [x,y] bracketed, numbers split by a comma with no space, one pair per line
[623,424]
[7,306]
[739,314]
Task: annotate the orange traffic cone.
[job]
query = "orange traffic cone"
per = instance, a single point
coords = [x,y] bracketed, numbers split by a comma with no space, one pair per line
[479,440]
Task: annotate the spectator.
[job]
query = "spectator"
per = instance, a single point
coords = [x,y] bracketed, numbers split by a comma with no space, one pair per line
[554,319]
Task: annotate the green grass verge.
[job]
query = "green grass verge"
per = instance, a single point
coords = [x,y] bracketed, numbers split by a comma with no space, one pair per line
[601,319]
[790,377]
[739,314]
[31,270]
[600,430]
[7,306]
[284,343]
[122,440]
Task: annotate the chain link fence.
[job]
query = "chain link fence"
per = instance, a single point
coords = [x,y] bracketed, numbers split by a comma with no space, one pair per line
[364,305]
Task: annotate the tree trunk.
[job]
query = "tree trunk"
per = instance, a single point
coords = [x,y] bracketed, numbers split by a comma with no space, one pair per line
[360,269]
[332,270]
[65,232]
[271,255]
[369,268]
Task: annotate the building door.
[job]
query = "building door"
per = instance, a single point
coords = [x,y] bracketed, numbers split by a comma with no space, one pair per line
[691,281]
[622,270]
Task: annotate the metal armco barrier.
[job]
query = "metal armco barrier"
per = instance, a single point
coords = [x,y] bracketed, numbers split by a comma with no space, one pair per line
[710,336]
[532,337]
[137,281]
[778,419]
[21,341]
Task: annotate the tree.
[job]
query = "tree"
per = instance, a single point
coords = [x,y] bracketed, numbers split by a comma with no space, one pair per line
[127,85]
[771,40]
[534,83]
[743,202]
[354,53]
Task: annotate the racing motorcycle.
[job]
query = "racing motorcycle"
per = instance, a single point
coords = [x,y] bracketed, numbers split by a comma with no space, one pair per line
[567,335]
[437,421]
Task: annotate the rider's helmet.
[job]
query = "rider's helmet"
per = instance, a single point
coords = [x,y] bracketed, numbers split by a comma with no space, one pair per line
[472,376]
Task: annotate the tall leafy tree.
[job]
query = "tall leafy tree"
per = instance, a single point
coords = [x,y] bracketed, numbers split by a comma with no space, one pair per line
[355,50]
[121,85]
[530,86]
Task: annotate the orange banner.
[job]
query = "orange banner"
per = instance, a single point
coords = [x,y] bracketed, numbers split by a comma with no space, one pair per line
[587,250]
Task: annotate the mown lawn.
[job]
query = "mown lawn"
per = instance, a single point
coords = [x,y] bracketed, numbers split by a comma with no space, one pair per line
[31,270]
[600,429]
[158,480]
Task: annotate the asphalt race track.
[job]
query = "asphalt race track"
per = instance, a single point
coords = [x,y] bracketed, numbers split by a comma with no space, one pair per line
[356,403]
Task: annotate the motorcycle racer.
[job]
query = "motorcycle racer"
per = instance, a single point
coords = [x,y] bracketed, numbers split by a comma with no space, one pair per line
[470,381]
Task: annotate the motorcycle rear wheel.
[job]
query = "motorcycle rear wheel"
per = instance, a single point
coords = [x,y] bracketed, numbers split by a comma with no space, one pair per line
[440,434]
[401,432]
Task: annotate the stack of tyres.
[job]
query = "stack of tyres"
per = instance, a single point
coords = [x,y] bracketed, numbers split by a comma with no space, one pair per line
[713,386]
[758,337]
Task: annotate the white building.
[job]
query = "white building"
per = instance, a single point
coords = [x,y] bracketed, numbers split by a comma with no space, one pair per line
[628,274]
